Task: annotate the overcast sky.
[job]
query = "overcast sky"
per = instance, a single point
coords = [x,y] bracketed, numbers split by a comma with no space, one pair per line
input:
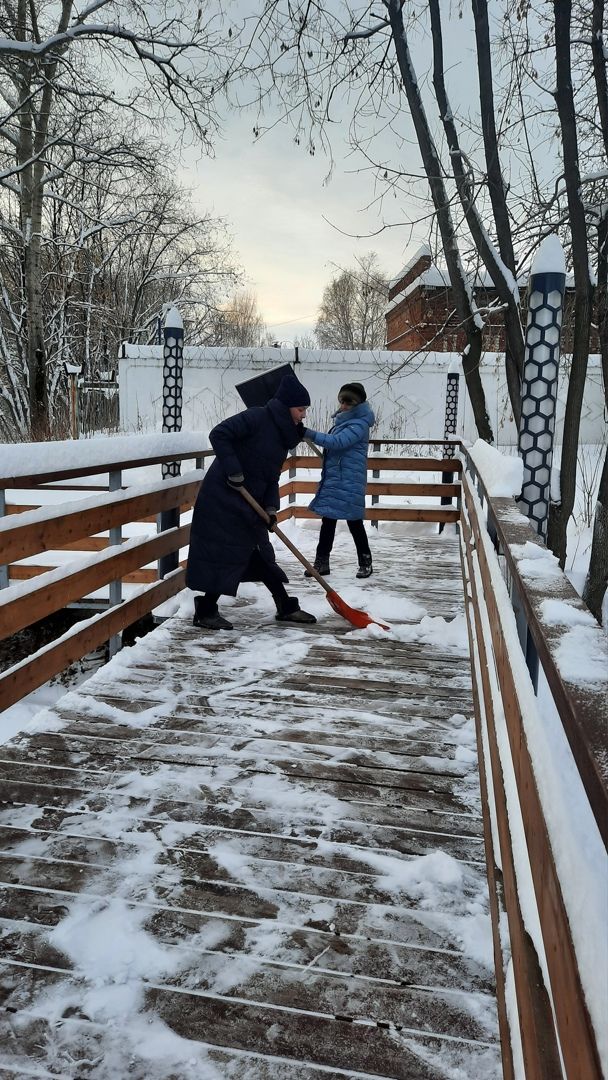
[288,225]
[292,228]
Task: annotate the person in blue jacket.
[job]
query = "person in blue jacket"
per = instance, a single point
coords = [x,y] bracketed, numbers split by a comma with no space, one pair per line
[341,492]
[229,542]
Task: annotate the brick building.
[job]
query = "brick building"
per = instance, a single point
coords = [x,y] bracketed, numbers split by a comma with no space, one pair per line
[420,312]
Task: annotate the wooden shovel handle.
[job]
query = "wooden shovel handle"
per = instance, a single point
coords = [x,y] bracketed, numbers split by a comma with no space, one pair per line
[281,535]
[314,448]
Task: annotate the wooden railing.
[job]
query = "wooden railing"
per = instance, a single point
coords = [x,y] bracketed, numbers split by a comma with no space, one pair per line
[376,487]
[552,1021]
[73,526]
[38,590]
[532,759]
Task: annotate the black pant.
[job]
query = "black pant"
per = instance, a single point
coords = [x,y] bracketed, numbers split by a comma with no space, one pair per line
[259,570]
[328,532]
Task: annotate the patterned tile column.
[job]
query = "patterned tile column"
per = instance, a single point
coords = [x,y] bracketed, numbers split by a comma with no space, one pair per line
[173,380]
[539,384]
[449,427]
[173,383]
[451,405]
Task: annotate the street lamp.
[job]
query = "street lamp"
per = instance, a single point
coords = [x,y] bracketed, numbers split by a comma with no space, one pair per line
[279,345]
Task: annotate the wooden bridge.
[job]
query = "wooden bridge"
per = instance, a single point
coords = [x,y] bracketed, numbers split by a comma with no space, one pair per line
[295,852]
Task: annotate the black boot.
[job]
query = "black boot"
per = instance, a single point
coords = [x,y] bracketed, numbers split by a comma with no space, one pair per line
[290,611]
[207,616]
[365,566]
[321,566]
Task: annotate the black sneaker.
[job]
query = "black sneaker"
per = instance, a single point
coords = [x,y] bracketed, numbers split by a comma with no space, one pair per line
[321,566]
[365,567]
[212,622]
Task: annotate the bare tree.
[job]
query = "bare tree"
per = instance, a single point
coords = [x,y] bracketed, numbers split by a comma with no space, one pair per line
[60,64]
[351,315]
[532,161]
[239,322]
[596,581]
[119,241]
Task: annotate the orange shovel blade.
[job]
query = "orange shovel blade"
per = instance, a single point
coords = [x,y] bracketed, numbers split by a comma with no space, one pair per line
[357,618]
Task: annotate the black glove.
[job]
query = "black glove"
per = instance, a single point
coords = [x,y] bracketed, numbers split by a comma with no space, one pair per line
[236,481]
[272,519]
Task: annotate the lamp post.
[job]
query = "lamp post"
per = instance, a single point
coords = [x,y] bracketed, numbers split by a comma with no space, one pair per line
[73,371]
[296,348]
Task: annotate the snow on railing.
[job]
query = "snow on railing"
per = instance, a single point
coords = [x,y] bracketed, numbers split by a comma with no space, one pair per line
[540,666]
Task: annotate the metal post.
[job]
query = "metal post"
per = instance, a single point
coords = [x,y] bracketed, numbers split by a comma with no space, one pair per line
[293,472]
[72,372]
[173,382]
[375,474]
[449,427]
[115,484]
[4,570]
[525,637]
[539,384]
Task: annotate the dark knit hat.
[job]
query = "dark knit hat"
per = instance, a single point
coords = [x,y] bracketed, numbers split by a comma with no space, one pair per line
[354,388]
[291,392]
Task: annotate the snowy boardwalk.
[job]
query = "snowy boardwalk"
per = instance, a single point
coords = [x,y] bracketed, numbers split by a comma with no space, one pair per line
[258,854]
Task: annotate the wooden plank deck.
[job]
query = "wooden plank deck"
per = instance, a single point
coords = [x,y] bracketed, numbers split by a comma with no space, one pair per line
[292,845]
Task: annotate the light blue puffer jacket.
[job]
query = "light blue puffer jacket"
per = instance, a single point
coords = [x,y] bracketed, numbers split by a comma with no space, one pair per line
[341,493]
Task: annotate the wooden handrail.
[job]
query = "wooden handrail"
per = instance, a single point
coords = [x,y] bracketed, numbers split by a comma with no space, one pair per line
[433,514]
[383,464]
[28,480]
[577,1038]
[374,487]
[21,538]
[28,675]
[583,710]
[30,605]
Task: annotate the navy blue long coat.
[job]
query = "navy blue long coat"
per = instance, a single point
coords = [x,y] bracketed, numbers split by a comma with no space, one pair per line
[225,530]
[341,492]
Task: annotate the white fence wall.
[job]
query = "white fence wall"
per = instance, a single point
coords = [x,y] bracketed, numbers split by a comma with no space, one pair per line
[409,403]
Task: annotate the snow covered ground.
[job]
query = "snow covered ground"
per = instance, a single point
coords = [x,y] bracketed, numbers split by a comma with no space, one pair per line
[251,833]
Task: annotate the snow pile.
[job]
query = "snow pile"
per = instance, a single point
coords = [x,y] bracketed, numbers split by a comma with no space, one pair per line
[502,474]
[28,459]
[535,560]
[581,656]
[549,258]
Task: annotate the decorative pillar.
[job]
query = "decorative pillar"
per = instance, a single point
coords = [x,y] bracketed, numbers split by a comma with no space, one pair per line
[451,405]
[173,382]
[173,379]
[449,427]
[539,383]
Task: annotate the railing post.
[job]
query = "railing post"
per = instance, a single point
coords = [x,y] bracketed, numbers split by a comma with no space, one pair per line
[115,484]
[293,472]
[173,381]
[449,427]
[523,632]
[375,474]
[539,384]
[4,570]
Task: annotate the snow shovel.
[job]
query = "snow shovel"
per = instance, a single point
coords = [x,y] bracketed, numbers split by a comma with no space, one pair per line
[357,618]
